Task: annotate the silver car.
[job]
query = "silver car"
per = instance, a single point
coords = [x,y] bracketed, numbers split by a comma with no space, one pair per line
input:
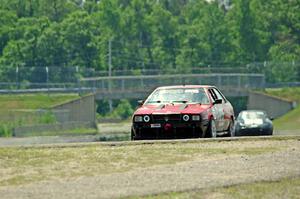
[253,122]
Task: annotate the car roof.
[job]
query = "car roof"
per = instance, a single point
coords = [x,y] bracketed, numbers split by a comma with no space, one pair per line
[253,111]
[185,86]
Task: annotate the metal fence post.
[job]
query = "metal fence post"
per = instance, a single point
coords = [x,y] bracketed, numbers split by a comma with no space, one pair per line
[47,79]
[123,85]
[17,78]
[239,81]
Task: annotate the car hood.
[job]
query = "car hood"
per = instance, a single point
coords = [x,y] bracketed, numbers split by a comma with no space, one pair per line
[252,122]
[171,109]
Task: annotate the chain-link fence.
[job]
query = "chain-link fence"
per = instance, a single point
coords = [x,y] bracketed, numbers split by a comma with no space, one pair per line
[277,72]
[131,84]
[69,77]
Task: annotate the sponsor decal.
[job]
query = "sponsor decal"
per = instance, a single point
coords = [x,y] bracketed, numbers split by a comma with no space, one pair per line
[155,125]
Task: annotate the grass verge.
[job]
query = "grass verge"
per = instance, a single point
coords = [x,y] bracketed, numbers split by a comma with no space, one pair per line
[28,109]
[292,93]
[77,131]
[284,188]
[33,101]
[291,120]
[31,164]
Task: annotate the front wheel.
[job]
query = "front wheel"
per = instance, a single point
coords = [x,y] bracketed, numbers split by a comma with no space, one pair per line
[231,129]
[212,129]
[132,135]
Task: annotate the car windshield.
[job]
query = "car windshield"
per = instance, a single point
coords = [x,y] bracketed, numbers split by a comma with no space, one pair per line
[178,95]
[251,115]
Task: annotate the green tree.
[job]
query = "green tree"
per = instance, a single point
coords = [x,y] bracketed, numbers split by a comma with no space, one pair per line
[78,31]
[57,10]
[23,42]
[7,24]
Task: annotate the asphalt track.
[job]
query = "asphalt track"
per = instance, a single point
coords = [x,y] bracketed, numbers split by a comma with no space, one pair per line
[89,140]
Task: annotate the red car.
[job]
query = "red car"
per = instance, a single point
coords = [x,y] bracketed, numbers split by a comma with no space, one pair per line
[183,112]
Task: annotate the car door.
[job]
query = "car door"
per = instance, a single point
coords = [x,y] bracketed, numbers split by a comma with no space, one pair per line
[227,110]
[217,110]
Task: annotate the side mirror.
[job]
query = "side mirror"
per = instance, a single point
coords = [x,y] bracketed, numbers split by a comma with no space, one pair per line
[218,101]
[271,118]
[140,102]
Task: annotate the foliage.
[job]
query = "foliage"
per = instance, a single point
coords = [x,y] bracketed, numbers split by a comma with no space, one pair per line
[165,35]
[123,110]
[47,118]
[5,129]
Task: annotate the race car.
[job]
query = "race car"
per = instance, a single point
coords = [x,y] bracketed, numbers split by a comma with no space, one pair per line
[188,111]
[253,122]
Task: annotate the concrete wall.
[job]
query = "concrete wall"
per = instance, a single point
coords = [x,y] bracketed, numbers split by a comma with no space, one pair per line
[83,110]
[27,130]
[274,106]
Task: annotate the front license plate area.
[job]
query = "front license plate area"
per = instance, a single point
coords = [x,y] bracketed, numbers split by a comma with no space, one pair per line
[155,125]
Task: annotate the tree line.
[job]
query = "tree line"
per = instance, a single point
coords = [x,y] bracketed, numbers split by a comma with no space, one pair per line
[151,34]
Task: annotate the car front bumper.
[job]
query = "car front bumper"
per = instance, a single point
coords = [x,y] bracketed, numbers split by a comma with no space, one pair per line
[169,130]
[254,131]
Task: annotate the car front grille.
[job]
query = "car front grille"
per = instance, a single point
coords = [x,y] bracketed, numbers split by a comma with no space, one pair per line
[166,118]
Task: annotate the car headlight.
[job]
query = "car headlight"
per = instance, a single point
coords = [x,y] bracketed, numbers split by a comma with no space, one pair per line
[146,118]
[138,118]
[196,117]
[186,118]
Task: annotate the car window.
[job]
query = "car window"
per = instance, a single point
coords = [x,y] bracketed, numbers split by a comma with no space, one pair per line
[177,95]
[212,94]
[250,115]
[219,95]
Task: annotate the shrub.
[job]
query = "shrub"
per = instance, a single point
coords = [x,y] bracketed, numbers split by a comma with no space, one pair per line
[47,118]
[5,130]
[123,110]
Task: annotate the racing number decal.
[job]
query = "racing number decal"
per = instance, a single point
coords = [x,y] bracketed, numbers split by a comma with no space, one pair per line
[218,112]
[217,109]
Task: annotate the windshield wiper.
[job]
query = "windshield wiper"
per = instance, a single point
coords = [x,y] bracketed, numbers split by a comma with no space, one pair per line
[180,101]
[158,101]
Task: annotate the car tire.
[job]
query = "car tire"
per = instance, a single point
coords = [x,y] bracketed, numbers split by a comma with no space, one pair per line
[270,132]
[212,129]
[132,135]
[231,129]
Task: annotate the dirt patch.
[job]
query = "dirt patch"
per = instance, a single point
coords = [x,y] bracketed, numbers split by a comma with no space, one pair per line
[226,163]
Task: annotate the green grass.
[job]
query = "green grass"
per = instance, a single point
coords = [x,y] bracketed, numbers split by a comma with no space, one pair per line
[291,120]
[285,188]
[20,118]
[292,93]
[77,131]
[25,165]
[18,110]
[33,101]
